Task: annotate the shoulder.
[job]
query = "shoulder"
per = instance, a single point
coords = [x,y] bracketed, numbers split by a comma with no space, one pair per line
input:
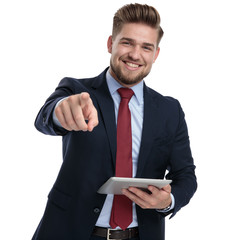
[165,109]
[75,84]
[159,100]
[82,84]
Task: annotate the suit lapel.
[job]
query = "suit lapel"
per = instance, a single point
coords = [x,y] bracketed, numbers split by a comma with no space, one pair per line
[147,131]
[106,106]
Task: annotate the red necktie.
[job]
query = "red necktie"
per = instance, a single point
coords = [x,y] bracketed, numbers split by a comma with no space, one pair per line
[121,214]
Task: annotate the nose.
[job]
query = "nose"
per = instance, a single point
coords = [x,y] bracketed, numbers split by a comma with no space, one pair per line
[135,53]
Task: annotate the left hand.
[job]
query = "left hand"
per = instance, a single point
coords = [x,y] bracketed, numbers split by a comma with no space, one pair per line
[157,199]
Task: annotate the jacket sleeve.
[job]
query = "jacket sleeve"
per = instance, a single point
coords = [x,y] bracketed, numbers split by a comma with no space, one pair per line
[181,168]
[44,120]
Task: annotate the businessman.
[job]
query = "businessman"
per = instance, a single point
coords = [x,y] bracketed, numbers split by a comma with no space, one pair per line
[114,125]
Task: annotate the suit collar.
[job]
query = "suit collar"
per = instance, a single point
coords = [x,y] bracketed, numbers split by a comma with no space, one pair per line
[100,80]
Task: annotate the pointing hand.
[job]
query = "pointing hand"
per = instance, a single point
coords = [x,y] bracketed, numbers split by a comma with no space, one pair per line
[73,112]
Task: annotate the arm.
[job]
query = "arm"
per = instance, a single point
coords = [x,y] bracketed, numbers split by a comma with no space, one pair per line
[181,167]
[71,112]
[181,172]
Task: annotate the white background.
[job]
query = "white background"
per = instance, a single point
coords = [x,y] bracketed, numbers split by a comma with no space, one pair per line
[44,41]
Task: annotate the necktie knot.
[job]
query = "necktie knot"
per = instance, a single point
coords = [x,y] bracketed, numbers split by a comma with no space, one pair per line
[125,93]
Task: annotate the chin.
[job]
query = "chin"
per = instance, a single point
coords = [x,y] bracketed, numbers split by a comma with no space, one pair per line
[124,77]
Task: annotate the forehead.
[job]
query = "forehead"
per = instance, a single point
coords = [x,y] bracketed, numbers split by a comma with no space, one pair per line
[140,33]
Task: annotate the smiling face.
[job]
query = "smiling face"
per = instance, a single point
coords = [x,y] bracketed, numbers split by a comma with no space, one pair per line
[133,50]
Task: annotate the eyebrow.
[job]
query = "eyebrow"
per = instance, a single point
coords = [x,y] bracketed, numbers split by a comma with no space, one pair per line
[132,40]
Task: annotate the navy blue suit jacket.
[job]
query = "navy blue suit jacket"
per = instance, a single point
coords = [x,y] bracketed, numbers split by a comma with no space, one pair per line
[73,203]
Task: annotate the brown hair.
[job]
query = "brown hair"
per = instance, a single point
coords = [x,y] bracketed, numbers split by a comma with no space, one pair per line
[137,13]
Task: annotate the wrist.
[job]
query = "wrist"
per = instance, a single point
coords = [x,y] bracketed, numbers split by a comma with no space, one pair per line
[169,207]
[166,208]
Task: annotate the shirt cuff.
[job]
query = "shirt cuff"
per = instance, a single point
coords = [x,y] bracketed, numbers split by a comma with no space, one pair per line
[55,119]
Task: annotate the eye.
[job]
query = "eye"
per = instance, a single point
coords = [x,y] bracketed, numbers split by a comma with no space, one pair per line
[147,48]
[126,43]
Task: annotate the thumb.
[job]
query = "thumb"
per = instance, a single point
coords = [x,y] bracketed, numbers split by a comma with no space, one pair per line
[89,111]
[167,188]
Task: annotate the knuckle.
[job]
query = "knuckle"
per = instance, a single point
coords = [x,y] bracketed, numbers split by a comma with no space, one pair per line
[63,105]
[84,96]
[78,118]
[58,110]
[70,99]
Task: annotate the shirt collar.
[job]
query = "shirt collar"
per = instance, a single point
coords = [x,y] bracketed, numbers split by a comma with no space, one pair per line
[114,85]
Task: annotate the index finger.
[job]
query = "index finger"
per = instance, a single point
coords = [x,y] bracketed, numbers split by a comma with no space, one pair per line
[139,192]
[84,98]
[155,190]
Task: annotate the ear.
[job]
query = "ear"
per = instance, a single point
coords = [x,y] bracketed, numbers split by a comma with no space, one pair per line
[156,54]
[109,44]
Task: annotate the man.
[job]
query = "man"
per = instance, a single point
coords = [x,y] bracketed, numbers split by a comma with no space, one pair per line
[88,113]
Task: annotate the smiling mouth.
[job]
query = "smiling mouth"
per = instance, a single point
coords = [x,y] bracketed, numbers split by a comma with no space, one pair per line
[132,65]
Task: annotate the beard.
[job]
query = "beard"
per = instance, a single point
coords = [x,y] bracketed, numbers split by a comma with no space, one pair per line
[127,79]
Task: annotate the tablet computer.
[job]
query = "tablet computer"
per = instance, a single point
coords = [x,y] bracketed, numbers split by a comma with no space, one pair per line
[114,185]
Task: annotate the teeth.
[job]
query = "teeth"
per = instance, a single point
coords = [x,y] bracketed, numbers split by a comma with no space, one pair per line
[132,64]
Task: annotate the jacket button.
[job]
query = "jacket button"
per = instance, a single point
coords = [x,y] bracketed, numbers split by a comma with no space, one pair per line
[96,210]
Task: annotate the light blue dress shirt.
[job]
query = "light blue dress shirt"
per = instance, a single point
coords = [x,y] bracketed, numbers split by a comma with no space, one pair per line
[136,105]
[136,108]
